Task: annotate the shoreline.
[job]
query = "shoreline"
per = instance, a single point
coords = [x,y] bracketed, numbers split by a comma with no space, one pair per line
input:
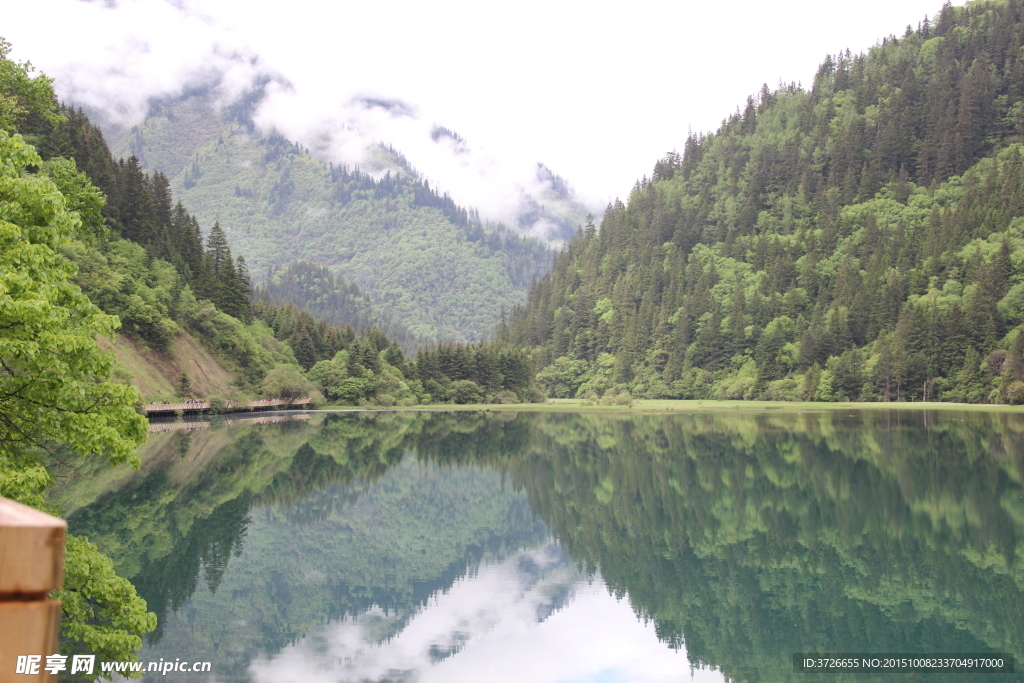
[681,406]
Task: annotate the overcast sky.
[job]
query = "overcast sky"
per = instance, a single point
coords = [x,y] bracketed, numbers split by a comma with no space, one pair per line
[597,92]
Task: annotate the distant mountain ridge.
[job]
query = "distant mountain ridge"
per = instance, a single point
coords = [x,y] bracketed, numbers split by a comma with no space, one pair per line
[439,270]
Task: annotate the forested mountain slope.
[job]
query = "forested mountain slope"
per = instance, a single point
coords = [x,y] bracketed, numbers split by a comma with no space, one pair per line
[331,298]
[430,263]
[860,240]
[140,257]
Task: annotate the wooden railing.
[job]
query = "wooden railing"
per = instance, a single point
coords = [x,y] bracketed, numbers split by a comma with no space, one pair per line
[31,565]
[200,406]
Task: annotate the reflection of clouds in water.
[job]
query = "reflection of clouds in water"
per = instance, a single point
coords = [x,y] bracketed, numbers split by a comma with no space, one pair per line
[529,619]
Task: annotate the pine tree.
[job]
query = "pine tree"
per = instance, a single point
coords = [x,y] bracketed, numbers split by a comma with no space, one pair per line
[135,210]
[218,250]
[303,347]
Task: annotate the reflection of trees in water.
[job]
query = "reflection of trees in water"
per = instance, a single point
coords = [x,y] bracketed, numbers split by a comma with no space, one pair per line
[749,537]
[166,583]
[408,537]
[162,523]
[181,535]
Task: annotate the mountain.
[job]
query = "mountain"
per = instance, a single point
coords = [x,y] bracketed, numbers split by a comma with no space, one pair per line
[434,266]
[188,319]
[859,240]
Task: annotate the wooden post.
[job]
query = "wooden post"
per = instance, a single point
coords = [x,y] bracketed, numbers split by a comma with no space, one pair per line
[31,565]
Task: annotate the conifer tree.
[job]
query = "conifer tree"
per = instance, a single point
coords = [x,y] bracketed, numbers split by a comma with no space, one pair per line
[135,210]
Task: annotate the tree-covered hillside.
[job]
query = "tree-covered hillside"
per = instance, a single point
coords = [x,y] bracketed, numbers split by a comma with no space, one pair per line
[433,264]
[860,240]
[332,299]
[59,393]
[143,258]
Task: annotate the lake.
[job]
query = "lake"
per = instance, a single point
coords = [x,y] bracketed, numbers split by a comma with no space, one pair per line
[568,548]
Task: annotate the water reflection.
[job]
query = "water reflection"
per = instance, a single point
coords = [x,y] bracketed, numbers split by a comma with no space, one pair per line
[570,547]
[530,617]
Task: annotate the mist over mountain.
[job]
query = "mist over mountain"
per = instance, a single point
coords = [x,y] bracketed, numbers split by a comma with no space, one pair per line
[357,132]
[525,196]
[533,201]
[443,270]
[342,117]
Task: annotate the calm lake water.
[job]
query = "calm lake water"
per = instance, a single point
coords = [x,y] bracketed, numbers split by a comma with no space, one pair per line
[560,548]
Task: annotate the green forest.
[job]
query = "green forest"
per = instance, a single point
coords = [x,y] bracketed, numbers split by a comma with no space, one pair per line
[59,394]
[143,258]
[860,240]
[331,298]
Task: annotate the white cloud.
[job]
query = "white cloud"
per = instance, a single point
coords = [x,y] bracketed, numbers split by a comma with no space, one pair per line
[116,58]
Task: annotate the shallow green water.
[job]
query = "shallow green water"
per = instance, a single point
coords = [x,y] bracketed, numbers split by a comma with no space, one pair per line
[557,547]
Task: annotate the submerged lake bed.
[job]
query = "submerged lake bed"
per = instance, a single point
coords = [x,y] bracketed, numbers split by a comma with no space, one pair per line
[564,547]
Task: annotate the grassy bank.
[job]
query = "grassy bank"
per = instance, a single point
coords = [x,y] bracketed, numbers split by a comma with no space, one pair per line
[677,406]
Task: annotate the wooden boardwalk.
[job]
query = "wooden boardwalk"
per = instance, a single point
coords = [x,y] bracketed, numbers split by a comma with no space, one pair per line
[199,425]
[166,408]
